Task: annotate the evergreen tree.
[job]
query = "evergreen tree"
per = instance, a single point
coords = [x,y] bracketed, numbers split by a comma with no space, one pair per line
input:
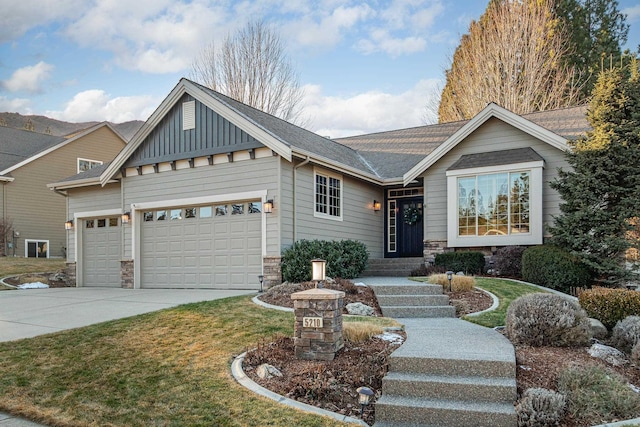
[597,30]
[601,194]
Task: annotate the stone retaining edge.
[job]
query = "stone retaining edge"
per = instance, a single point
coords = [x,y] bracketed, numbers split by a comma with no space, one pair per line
[496,303]
[257,301]
[248,383]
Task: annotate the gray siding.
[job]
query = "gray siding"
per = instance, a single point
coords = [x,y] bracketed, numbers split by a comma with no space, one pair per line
[90,199]
[220,179]
[494,135]
[212,135]
[359,221]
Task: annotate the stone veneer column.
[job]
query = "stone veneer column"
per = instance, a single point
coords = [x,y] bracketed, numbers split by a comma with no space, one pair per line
[70,271]
[272,271]
[433,247]
[312,341]
[126,274]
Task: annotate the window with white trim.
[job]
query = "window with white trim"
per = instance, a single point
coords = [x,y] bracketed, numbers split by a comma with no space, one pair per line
[328,195]
[495,206]
[86,164]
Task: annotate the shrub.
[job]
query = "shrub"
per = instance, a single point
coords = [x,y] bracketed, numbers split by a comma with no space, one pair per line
[358,332]
[508,261]
[547,320]
[554,267]
[635,354]
[458,283]
[427,270]
[540,407]
[626,334]
[345,258]
[596,394]
[469,262]
[610,305]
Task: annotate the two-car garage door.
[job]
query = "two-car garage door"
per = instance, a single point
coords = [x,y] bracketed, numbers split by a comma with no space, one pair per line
[209,246]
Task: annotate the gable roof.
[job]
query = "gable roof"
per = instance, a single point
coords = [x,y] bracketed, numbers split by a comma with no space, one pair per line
[19,147]
[282,137]
[496,158]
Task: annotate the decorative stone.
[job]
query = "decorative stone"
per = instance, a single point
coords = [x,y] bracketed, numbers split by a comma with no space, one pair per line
[598,330]
[610,355]
[267,371]
[359,309]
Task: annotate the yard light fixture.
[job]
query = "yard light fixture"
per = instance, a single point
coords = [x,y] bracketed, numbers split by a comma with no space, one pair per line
[68,225]
[268,206]
[364,395]
[261,279]
[126,217]
[449,278]
[376,206]
[318,271]
[492,268]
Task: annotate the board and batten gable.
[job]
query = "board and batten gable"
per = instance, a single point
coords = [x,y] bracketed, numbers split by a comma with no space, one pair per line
[208,134]
[39,213]
[493,135]
[89,199]
[359,221]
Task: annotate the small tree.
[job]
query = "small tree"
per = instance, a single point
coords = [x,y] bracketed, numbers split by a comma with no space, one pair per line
[6,234]
[601,194]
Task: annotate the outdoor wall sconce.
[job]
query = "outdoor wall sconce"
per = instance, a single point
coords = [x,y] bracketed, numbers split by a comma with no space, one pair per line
[364,395]
[126,217]
[318,271]
[261,279]
[68,225]
[268,206]
[376,206]
[449,278]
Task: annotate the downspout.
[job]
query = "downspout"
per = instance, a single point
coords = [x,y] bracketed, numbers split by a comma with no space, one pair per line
[295,200]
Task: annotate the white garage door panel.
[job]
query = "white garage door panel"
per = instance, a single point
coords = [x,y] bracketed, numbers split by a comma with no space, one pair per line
[101,252]
[223,252]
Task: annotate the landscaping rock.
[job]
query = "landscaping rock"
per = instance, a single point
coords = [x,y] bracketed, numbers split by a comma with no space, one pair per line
[610,355]
[359,309]
[267,371]
[598,330]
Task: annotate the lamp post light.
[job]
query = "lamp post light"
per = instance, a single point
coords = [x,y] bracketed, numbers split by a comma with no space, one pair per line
[261,279]
[318,271]
[492,268]
[449,278]
[364,395]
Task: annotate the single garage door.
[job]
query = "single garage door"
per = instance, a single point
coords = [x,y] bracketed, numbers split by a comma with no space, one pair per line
[101,244]
[212,246]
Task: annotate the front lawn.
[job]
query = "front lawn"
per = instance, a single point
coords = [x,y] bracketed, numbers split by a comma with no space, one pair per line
[13,265]
[165,368]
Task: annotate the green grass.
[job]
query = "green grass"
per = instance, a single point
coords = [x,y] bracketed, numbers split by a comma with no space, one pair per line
[168,368]
[506,291]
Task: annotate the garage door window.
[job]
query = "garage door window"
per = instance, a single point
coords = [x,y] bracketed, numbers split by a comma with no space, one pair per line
[113,222]
[255,207]
[176,214]
[102,222]
[147,216]
[89,223]
[205,212]
[161,215]
[190,213]
[237,209]
[221,210]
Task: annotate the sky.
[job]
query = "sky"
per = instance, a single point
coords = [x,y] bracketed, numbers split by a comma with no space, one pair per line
[365,66]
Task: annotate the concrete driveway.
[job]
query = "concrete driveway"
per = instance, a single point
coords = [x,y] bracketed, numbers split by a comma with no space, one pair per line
[30,312]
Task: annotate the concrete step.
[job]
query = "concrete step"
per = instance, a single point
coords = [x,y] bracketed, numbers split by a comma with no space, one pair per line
[396,272]
[418,312]
[413,300]
[398,411]
[390,261]
[411,384]
[419,288]
[453,366]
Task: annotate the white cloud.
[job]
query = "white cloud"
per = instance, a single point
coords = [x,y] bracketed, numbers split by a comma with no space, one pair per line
[633,13]
[18,17]
[368,112]
[18,105]
[382,41]
[28,79]
[97,105]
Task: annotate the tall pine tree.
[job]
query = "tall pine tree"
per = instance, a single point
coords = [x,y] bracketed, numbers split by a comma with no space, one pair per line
[601,194]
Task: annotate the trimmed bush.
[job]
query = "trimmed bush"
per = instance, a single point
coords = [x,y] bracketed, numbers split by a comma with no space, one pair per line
[635,354]
[458,283]
[508,261]
[547,320]
[424,271]
[597,395]
[554,268]
[626,334]
[469,262]
[345,258]
[610,305]
[540,407]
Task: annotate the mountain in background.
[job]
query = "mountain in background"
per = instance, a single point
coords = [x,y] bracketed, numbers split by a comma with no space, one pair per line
[42,124]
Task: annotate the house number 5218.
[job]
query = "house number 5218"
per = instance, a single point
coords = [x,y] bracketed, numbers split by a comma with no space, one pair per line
[312,322]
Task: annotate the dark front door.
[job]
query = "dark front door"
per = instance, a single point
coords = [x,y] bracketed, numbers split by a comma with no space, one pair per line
[410,227]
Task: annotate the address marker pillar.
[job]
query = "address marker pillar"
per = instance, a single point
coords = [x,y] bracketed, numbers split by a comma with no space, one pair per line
[318,324]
